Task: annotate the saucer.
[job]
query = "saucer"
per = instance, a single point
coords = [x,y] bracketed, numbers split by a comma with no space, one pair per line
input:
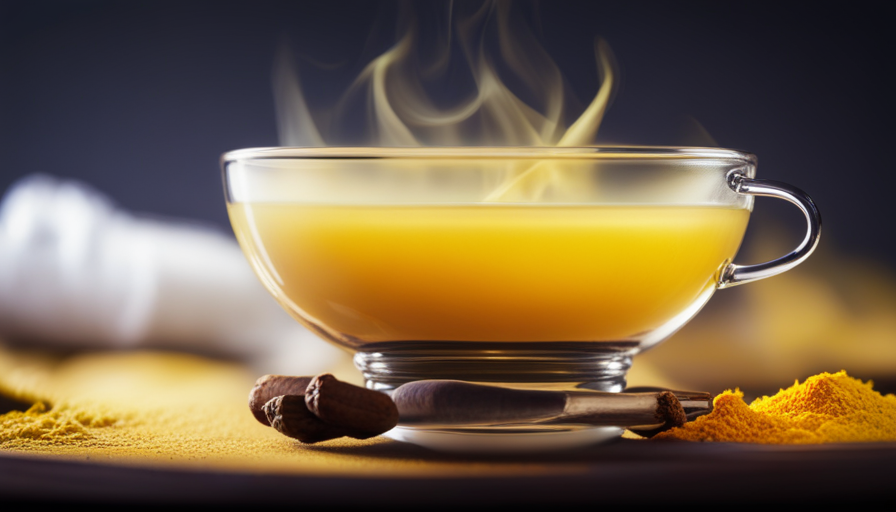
[506,440]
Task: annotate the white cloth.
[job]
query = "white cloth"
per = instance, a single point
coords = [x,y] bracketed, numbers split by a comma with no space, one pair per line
[76,272]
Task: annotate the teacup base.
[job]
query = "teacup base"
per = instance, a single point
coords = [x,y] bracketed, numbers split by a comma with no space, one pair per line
[600,366]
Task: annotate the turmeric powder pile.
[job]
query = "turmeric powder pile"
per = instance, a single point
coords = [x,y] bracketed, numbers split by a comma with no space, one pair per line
[826,408]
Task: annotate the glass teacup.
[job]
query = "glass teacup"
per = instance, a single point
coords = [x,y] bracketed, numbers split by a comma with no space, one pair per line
[530,267]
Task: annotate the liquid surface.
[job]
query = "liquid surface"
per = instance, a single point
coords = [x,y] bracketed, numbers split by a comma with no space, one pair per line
[487,272]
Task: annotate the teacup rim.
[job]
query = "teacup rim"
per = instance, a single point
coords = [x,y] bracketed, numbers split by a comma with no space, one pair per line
[517,152]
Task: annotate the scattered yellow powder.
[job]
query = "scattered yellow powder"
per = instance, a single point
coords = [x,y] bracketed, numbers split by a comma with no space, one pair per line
[57,425]
[183,411]
[826,408]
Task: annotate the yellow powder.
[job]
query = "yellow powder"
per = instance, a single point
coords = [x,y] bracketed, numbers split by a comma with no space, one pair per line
[182,411]
[57,425]
[826,408]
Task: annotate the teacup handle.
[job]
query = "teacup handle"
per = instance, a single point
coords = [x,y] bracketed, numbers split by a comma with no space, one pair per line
[732,274]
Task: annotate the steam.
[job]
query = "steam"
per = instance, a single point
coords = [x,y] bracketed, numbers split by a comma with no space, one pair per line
[294,120]
[394,91]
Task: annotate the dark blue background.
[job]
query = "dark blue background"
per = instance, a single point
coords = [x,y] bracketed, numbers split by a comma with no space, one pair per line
[141,98]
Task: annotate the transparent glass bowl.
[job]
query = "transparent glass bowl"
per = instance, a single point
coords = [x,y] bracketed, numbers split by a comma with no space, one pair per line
[535,267]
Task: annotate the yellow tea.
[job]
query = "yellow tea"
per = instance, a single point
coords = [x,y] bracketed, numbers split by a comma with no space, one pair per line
[488,272]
